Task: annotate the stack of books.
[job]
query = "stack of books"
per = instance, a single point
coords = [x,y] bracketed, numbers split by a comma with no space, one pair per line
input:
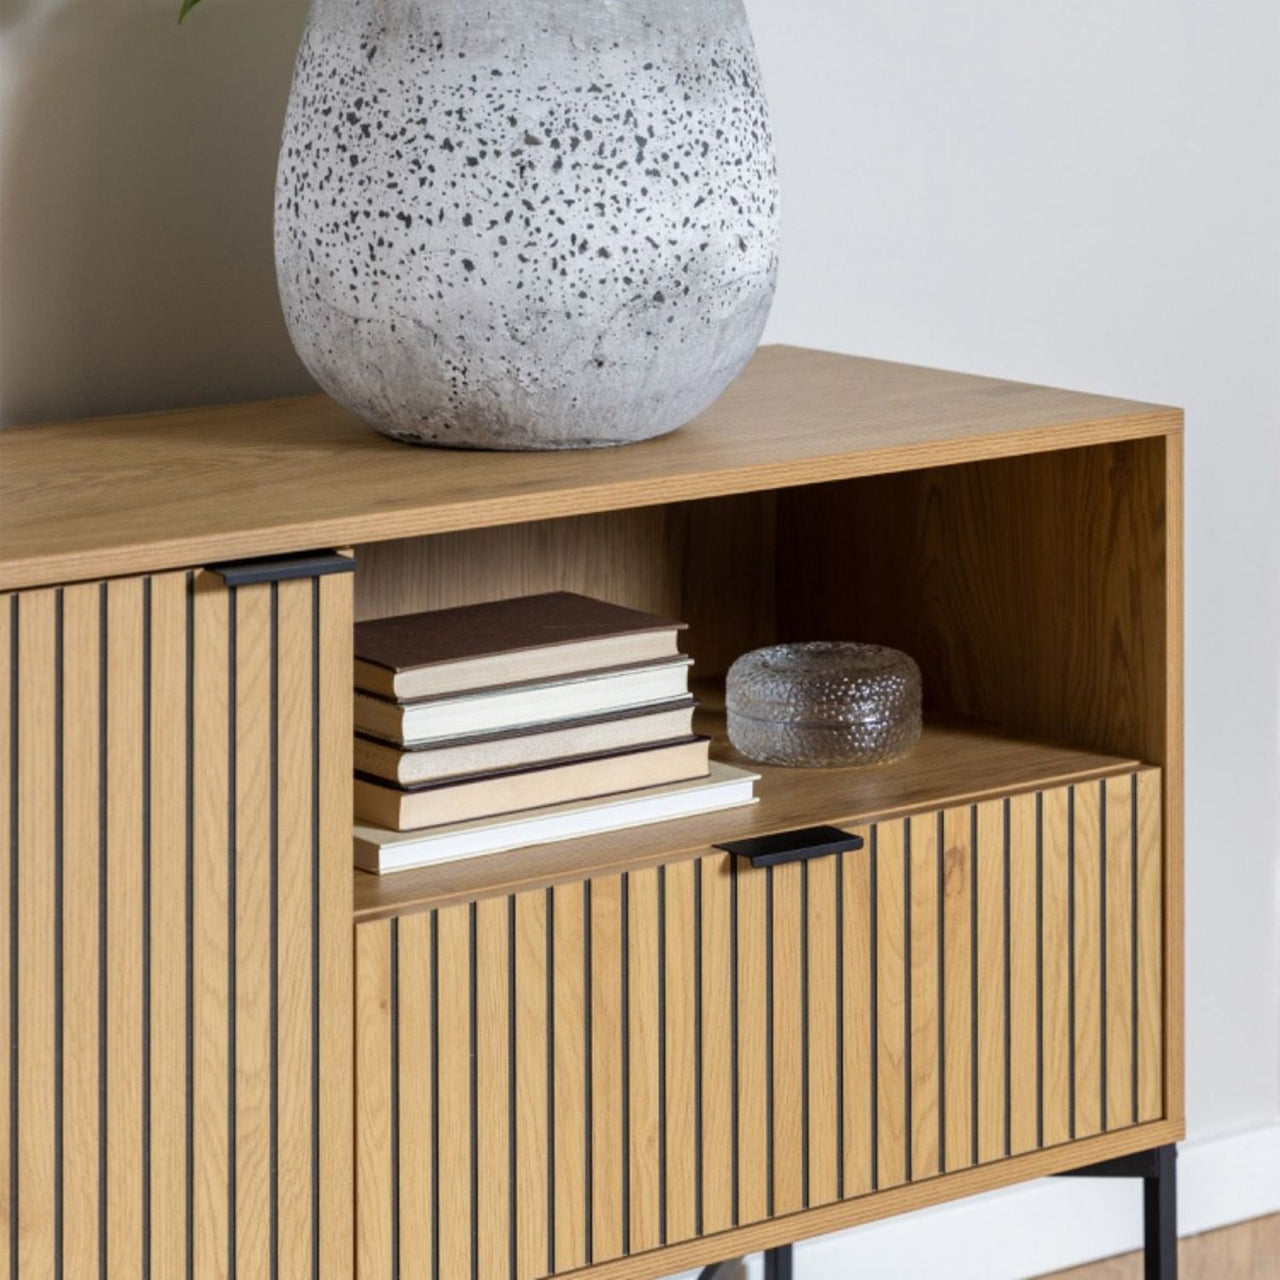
[495,726]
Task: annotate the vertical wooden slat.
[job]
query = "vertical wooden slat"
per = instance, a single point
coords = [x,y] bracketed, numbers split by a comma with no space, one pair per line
[645,1173]
[294,844]
[991,985]
[788,1036]
[8,833]
[531,1085]
[893,1128]
[414,1158]
[373,1085]
[958,979]
[824,1128]
[926,1062]
[1024,1068]
[1119,967]
[35,927]
[1150,949]
[718,1047]
[454,1103]
[493,1064]
[81,837]
[212,1172]
[681,1053]
[858,1110]
[252,906]
[166,914]
[124,926]
[607,1153]
[1088,952]
[569,1086]
[1057,985]
[753,1047]
[333,1080]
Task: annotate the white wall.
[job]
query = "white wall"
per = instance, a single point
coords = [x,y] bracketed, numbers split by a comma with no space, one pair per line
[1084,193]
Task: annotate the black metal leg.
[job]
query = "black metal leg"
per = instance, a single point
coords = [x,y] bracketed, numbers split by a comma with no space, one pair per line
[1160,1216]
[1158,1170]
[777,1264]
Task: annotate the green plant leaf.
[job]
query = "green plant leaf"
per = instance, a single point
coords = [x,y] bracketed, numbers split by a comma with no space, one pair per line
[187,6]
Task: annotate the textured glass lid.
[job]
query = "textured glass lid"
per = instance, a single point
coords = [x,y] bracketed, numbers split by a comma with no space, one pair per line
[822,682]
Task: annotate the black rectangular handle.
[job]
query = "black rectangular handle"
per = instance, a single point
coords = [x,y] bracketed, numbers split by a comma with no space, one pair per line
[793,846]
[287,568]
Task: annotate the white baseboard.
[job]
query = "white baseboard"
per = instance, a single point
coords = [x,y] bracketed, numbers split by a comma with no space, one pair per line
[1047,1225]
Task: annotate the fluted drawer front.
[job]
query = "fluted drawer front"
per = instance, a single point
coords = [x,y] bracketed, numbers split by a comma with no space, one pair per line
[175,898]
[575,1074]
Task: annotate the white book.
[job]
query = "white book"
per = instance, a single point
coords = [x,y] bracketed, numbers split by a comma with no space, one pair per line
[380,851]
[439,719]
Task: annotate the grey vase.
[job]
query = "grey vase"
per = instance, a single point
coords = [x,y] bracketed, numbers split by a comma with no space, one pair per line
[543,225]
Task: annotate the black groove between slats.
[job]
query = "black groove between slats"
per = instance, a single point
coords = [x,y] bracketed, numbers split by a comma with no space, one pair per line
[316,747]
[940,907]
[768,1001]
[1071,962]
[435,1095]
[699,1156]
[625,948]
[232,621]
[875,1008]
[907,1126]
[589,1088]
[804,1033]
[549,927]
[1008,984]
[1039,969]
[189,1171]
[146,925]
[974,1063]
[395,1099]
[512,1205]
[733,982]
[1102,951]
[473,1038]
[663,1152]
[14,808]
[840,1071]
[103,713]
[273,995]
[59,890]
[1133,939]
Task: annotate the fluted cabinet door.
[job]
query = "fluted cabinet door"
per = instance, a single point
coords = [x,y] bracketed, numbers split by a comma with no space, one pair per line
[570,1076]
[175,978]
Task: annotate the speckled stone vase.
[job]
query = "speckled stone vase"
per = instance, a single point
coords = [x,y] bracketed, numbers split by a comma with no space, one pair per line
[537,225]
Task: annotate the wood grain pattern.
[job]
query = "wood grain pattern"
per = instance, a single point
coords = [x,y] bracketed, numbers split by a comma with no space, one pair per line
[925,1119]
[569,1086]
[453,1090]
[1088,956]
[858,992]
[787,1036]
[1150,977]
[1057,1032]
[167,877]
[823,996]
[645,1214]
[831,1092]
[531,1013]
[102,497]
[82,693]
[1024,1002]
[893,1063]
[1118,971]
[374,1150]
[493,1083]
[608,1153]
[681,1143]
[992,1022]
[34,922]
[416,1110]
[719,1056]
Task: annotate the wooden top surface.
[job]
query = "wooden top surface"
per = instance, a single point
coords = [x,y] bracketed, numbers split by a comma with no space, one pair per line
[111,496]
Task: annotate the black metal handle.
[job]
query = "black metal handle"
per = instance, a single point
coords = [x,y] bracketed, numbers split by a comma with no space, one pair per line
[316,564]
[793,846]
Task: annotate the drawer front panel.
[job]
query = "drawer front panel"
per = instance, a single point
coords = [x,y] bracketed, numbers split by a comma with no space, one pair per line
[595,1070]
[175,915]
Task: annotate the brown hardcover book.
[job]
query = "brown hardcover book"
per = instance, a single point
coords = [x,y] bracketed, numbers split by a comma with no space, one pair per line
[400,809]
[514,748]
[478,646]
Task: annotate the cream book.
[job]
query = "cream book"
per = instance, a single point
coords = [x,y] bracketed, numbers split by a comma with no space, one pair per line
[399,809]
[479,646]
[533,744]
[438,719]
[381,851]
